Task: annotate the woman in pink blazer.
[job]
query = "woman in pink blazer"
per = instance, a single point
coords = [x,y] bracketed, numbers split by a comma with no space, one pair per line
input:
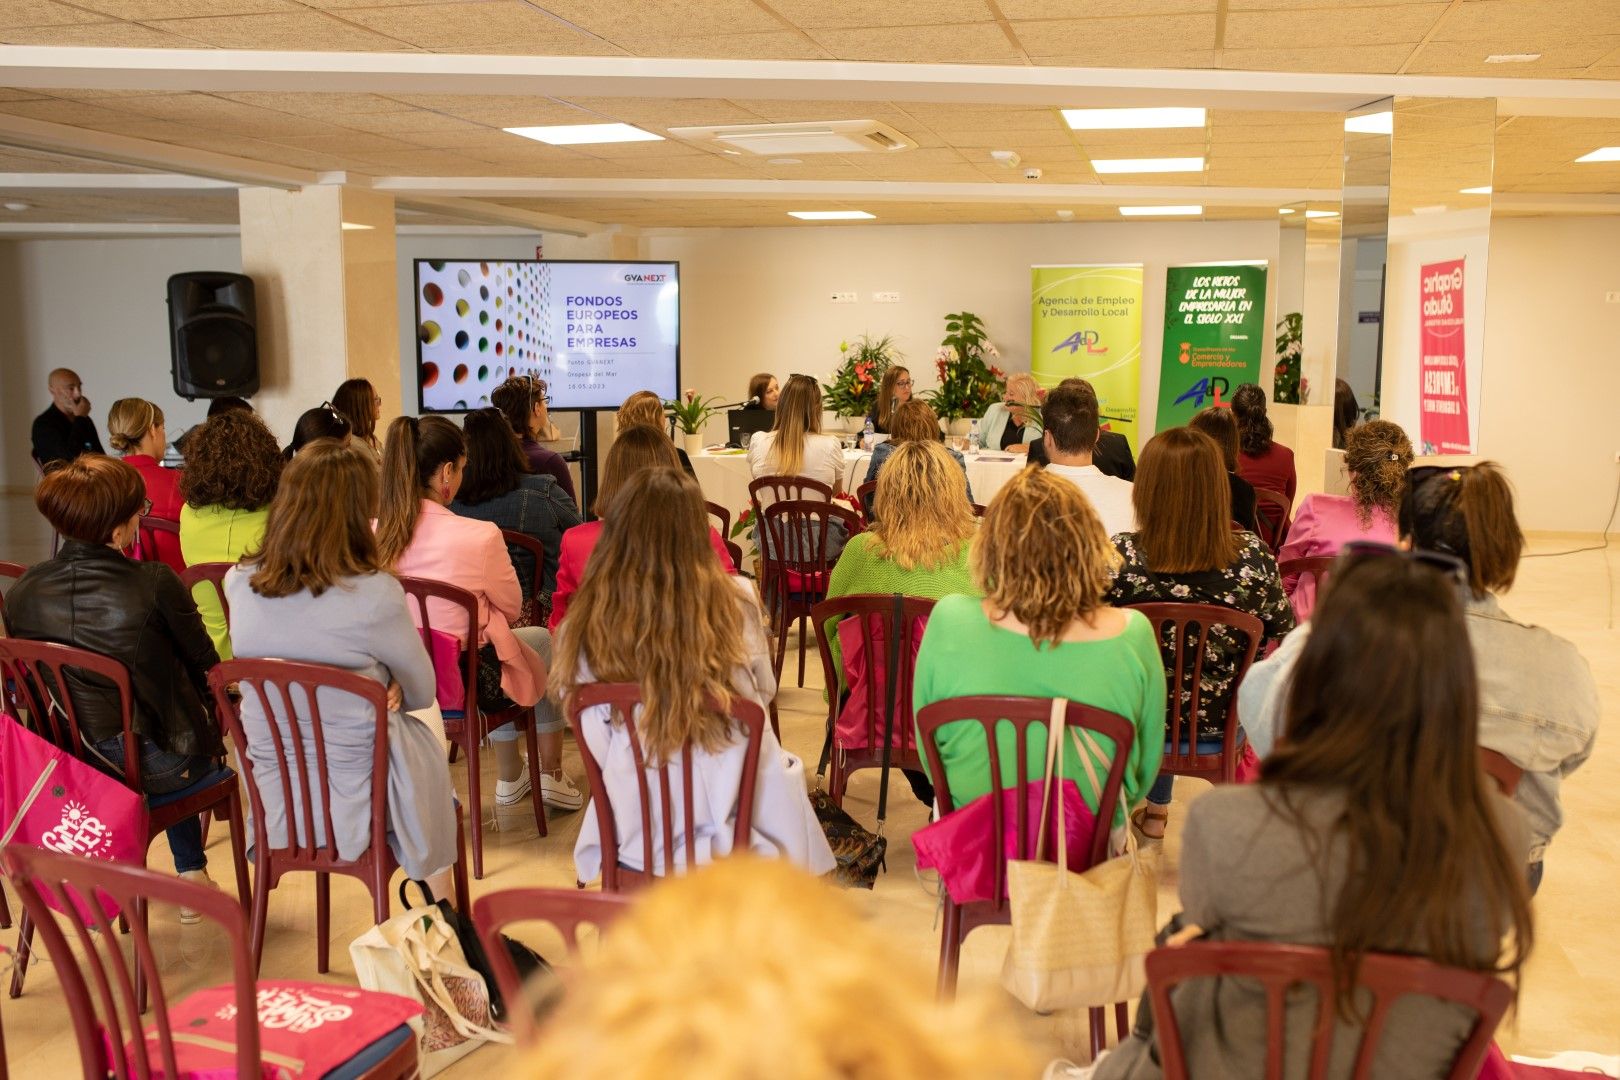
[418,536]
[1376,455]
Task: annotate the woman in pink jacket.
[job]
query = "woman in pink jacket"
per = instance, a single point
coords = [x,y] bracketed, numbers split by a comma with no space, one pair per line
[418,536]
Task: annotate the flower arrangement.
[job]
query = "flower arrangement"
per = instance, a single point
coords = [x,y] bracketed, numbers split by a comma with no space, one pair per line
[854,389]
[968,382]
[1286,389]
[691,412]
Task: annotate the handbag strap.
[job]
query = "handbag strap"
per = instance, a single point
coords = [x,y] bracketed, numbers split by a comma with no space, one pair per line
[896,629]
[1055,722]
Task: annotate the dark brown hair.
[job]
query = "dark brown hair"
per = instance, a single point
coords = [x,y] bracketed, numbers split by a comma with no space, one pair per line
[1220,425]
[1254,426]
[233,461]
[758,385]
[1383,707]
[321,422]
[1183,504]
[87,498]
[356,400]
[319,530]
[1070,417]
[415,450]
[1466,512]
[495,462]
[515,399]
[915,421]
[633,450]
[1346,412]
[885,399]
[1377,454]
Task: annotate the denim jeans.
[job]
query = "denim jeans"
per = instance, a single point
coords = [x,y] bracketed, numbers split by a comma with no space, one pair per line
[1159,793]
[164,772]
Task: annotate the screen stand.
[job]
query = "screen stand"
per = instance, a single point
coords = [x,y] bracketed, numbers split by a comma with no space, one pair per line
[587,462]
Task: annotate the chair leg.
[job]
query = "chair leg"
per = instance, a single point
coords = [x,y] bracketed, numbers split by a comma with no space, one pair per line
[261,908]
[25,939]
[776,728]
[205,819]
[475,796]
[454,747]
[804,632]
[233,818]
[140,968]
[1099,1033]
[534,773]
[1122,1019]
[781,645]
[950,950]
[323,922]
[5,921]
[459,873]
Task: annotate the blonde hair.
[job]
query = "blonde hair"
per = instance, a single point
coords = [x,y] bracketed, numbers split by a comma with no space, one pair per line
[653,570]
[1043,555]
[921,506]
[1025,379]
[641,407]
[915,421]
[129,420]
[798,415]
[727,971]
[885,398]
[319,531]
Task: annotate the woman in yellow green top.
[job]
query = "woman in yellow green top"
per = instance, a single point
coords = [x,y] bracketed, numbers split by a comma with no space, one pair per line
[1044,564]
[232,468]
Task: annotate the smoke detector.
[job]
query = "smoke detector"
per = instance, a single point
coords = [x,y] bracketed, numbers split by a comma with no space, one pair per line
[828,137]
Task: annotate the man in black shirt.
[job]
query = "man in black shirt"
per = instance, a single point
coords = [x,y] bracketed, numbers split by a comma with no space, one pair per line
[65,430]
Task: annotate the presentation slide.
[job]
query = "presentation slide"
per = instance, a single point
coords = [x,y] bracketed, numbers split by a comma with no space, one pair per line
[595,331]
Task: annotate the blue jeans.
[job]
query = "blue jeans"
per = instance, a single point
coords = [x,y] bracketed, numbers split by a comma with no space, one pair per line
[1159,793]
[166,773]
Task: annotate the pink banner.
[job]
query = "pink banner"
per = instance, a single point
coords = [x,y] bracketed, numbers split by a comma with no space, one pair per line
[1443,394]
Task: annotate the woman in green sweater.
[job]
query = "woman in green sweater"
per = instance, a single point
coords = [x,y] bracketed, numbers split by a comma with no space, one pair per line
[1044,563]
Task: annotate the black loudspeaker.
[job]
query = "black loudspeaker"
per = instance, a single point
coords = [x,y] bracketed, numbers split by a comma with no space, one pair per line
[213,343]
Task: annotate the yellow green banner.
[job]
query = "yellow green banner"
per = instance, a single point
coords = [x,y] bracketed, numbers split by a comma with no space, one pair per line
[1088,323]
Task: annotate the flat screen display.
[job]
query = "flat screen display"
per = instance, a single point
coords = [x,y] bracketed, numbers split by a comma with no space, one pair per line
[596,332]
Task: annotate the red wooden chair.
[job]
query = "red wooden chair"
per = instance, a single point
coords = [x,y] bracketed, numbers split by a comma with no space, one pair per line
[42,677]
[1502,770]
[56,537]
[767,490]
[301,768]
[214,574]
[534,614]
[979,509]
[1280,968]
[989,713]
[722,518]
[566,909]
[623,698]
[146,537]
[864,495]
[1183,632]
[798,562]
[95,978]
[465,724]
[12,571]
[1274,512]
[876,621]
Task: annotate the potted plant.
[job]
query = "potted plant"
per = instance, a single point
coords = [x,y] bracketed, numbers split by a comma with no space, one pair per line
[968,381]
[854,389]
[690,414]
[1285,388]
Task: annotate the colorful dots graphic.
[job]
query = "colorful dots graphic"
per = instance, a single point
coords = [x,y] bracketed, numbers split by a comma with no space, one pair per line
[483,344]
[464,278]
[497,303]
[428,332]
[437,265]
[483,268]
[497,325]
[461,403]
[432,294]
[497,348]
[430,373]
[461,341]
[483,292]
[462,308]
[483,372]
[460,374]
[483,318]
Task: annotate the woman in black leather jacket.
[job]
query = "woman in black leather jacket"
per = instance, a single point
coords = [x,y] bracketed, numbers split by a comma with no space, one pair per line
[93,597]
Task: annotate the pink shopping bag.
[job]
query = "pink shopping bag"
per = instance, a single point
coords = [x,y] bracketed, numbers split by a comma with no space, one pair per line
[448,686]
[959,845]
[851,731]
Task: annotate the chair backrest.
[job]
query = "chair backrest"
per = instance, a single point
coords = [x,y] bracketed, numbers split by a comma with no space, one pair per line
[146,547]
[567,909]
[214,574]
[735,551]
[418,591]
[978,509]
[1278,968]
[537,555]
[286,692]
[722,516]
[799,531]
[1315,567]
[39,678]
[1501,769]
[874,614]
[989,712]
[10,571]
[98,982]
[1183,632]
[769,489]
[624,698]
[864,495]
[1273,511]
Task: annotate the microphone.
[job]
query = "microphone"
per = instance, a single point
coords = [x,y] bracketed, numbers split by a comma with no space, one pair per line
[751,402]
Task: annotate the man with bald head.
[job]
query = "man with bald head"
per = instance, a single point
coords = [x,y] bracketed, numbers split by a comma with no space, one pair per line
[65,430]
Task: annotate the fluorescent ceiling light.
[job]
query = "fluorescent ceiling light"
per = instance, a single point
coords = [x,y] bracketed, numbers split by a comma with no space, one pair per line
[584,134]
[1132,119]
[1321,213]
[1603,153]
[1486,190]
[1148,165]
[1158,211]
[1378,123]
[353,226]
[1512,58]
[1285,209]
[831,215]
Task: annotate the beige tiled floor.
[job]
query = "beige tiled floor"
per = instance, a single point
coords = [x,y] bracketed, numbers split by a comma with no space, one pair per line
[1572,990]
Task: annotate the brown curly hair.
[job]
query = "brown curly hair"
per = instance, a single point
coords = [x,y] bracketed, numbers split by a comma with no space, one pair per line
[1377,455]
[233,461]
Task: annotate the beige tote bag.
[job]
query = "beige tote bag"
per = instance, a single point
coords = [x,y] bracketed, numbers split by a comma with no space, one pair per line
[1078,940]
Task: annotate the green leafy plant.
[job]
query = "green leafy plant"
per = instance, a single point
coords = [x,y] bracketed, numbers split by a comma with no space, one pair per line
[691,412]
[968,381]
[1285,388]
[854,389]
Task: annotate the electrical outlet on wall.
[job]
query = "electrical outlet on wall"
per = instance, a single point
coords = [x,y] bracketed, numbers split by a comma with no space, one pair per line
[885,298]
[844,297]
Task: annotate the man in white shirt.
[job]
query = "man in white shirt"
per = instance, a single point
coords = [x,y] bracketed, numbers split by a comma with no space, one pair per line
[1070,419]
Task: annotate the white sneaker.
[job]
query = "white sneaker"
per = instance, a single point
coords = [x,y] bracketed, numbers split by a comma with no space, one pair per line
[560,792]
[512,792]
[188,917]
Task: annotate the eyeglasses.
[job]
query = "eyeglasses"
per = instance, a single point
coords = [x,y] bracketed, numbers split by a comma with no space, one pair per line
[1449,565]
[902,382]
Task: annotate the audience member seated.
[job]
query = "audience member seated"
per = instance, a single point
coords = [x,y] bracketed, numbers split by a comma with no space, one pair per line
[1538,703]
[639,448]
[746,949]
[1372,829]
[763,392]
[361,405]
[232,467]
[1185,552]
[697,633]
[135,429]
[317,591]
[796,446]
[1070,418]
[1376,455]
[496,488]
[64,430]
[914,421]
[893,391]
[1346,412]
[1042,562]
[419,536]
[522,398]
[215,407]
[1006,423]
[322,422]
[1262,461]
[90,596]
[1220,425]
[1113,453]
[645,408]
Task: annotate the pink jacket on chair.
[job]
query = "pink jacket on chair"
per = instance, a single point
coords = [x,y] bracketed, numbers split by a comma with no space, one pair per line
[1323,524]
[471,555]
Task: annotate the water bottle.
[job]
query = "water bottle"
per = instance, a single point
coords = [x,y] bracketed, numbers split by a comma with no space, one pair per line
[866,434]
[973,436]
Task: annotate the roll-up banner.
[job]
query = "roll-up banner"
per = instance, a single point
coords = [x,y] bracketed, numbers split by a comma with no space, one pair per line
[1214,334]
[1443,394]
[1088,323]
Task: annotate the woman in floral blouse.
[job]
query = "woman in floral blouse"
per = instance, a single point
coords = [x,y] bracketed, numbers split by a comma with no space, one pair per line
[1184,551]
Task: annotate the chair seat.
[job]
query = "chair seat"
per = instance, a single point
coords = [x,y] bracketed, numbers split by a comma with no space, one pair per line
[813,582]
[201,794]
[1208,747]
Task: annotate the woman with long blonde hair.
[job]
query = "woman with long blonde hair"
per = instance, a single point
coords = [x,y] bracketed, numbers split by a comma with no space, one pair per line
[656,609]
[796,446]
[893,392]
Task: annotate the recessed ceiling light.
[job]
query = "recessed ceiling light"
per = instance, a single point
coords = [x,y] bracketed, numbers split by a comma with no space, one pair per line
[1603,153]
[1148,165]
[1157,211]
[831,215]
[1486,190]
[784,161]
[1285,209]
[584,134]
[352,226]
[1321,213]
[1066,215]
[1132,119]
[1378,123]
[1512,58]
[18,207]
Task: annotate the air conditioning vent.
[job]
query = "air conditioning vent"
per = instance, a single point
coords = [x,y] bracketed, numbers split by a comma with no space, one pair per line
[830,137]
